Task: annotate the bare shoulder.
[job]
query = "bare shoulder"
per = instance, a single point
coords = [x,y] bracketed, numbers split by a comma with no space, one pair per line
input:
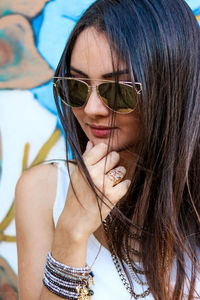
[36,188]
[39,176]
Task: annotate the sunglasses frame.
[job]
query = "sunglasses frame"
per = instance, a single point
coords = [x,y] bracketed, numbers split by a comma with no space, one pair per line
[90,87]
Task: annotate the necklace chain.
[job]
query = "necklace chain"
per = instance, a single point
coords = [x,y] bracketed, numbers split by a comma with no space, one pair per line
[132,269]
[125,281]
[133,272]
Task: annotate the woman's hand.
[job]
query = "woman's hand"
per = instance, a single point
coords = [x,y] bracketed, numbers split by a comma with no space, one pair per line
[81,215]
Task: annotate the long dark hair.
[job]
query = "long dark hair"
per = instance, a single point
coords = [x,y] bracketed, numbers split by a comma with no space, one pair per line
[160,42]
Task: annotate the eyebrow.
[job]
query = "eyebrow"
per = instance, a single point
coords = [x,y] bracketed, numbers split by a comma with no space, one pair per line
[107,75]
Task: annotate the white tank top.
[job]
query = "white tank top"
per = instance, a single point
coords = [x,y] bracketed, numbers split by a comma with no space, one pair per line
[107,282]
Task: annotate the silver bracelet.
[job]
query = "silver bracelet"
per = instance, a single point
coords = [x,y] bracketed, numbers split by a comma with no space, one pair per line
[67,282]
[59,281]
[63,276]
[67,268]
[59,291]
[67,273]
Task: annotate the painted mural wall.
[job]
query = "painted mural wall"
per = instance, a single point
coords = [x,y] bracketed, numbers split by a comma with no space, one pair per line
[32,37]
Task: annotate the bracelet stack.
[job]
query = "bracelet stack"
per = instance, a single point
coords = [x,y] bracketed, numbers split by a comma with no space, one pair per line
[68,282]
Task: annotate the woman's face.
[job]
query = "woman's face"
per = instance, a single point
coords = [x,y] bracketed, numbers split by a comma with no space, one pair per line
[91,59]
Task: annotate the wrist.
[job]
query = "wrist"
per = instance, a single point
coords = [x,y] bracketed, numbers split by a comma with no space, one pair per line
[73,233]
[69,247]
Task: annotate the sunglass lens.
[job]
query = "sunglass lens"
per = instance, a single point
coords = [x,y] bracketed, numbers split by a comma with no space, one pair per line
[119,97]
[72,92]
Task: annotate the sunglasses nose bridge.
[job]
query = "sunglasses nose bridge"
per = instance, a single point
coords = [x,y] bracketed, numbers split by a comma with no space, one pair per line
[90,89]
[95,97]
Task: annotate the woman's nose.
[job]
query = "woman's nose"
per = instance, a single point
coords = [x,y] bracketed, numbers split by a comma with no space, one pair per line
[94,105]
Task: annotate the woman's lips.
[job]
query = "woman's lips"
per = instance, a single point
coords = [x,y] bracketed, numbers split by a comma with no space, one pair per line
[101,131]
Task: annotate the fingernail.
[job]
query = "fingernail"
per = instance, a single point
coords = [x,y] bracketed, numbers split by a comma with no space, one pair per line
[89,145]
[128,182]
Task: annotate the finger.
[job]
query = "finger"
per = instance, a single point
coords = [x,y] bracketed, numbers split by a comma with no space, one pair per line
[95,154]
[108,162]
[120,190]
[116,193]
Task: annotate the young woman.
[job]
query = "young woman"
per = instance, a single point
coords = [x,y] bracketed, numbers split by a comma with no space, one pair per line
[126,212]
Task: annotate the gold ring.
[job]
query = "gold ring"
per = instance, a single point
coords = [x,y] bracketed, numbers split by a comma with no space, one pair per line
[115,175]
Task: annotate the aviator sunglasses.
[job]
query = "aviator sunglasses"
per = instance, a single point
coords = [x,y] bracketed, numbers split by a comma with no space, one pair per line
[120,97]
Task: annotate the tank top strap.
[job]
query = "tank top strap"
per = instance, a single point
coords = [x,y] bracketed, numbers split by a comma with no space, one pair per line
[61,191]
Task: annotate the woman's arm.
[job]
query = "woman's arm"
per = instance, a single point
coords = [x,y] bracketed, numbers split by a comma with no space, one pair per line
[35,194]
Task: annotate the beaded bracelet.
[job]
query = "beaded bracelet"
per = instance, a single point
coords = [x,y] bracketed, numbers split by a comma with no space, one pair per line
[66,274]
[67,282]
